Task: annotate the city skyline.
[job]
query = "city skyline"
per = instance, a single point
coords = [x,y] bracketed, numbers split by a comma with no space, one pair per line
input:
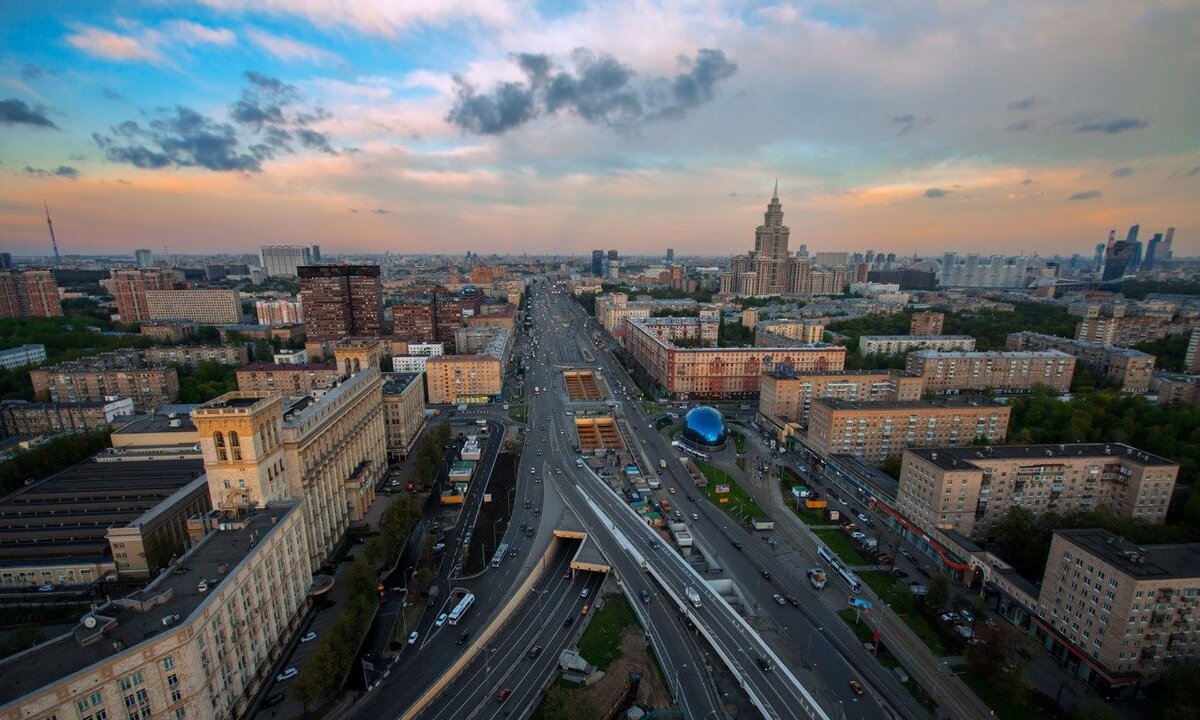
[517,127]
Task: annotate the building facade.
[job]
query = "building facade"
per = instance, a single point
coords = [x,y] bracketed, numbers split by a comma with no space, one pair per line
[786,397]
[780,333]
[193,355]
[96,378]
[614,308]
[28,293]
[22,356]
[285,260]
[874,431]
[210,306]
[404,412]
[1191,358]
[1004,372]
[168,330]
[427,319]
[18,417]
[463,379]
[290,379]
[129,287]
[969,489]
[1131,369]
[341,300]
[927,323]
[894,344]
[279,312]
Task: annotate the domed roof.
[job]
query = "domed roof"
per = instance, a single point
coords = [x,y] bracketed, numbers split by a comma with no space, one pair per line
[705,427]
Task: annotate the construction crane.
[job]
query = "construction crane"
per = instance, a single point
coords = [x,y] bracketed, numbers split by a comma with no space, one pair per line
[53,242]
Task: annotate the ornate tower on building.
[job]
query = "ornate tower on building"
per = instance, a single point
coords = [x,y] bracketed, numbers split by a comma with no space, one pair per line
[240,438]
[771,249]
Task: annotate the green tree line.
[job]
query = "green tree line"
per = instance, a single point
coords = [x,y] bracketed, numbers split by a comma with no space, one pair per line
[50,457]
[990,328]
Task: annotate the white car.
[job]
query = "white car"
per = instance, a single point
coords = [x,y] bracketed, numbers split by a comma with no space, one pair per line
[584,593]
[863,518]
[308,637]
[441,620]
[412,638]
[286,674]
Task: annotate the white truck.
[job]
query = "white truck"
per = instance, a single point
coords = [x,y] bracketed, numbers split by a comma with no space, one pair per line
[693,596]
[816,576]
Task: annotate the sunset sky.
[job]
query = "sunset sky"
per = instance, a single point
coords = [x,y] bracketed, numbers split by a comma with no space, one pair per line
[455,125]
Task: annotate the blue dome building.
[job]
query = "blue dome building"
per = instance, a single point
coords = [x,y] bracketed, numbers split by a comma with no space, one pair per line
[704,429]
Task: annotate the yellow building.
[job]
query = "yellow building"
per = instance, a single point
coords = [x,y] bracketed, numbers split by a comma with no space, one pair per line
[787,397]
[463,378]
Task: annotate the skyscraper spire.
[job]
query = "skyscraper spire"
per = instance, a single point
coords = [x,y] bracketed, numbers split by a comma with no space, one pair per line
[775,196]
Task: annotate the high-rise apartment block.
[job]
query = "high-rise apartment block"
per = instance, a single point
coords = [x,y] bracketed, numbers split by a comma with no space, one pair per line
[129,287]
[28,293]
[598,263]
[203,306]
[927,323]
[341,300]
[145,259]
[285,260]
[279,312]
[894,344]
[970,489]
[432,318]
[786,397]
[874,431]
[996,271]
[1191,359]
[1003,372]
[1131,369]
[1130,323]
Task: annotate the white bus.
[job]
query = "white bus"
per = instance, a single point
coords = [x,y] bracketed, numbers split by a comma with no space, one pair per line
[824,554]
[849,578]
[499,556]
[461,608]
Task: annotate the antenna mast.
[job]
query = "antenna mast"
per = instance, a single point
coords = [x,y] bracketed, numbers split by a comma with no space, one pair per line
[53,242]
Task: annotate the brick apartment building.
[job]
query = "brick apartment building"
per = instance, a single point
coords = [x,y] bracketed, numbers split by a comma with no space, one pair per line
[1131,369]
[341,300]
[96,378]
[786,397]
[1005,372]
[28,293]
[927,323]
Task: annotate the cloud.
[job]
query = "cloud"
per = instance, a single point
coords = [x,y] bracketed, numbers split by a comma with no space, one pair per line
[144,44]
[1101,123]
[1020,126]
[1086,195]
[61,171]
[936,193]
[379,211]
[109,45]
[16,112]
[190,33]
[111,94]
[381,19]
[909,122]
[290,50]
[1122,172]
[1193,172]
[1033,102]
[598,89]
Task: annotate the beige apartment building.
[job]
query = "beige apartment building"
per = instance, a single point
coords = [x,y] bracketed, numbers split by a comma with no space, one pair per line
[875,430]
[404,412]
[1132,612]
[685,331]
[614,308]
[96,378]
[781,333]
[710,372]
[18,417]
[168,330]
[290,379]
[329,450]
[1131,369]
[213,306]
[463,378]
[129,287]
[193,355]
[786,397]
[893,344]
[1004,372]
[1191,358]
[172,649]
[969,489]
[927,323]
[1176,389]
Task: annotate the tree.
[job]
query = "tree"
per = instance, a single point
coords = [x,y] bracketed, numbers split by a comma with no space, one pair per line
[1092,709]
[997,650]
[938,592]
[563,703]
[263,352]
[1180,690]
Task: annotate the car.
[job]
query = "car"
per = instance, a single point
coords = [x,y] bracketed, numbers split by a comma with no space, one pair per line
[645,597]
[569,621]
[766,576]
[863,518]
[842,501]
[856,687]
[584,593]
[439,547]
[503,694]
[308,637]
[412,638]
[287,674]
[534,651]
[672,490]
[530,532]
[528,504]
[858,535]
[691,498]
[885,559]
[793,600]
[46,588]
[584,610]
[513,552]
[924,571]
[947,617]
[899,573]
[779,599]
[765,664]
[532,471]
[967,615]
[695,517]
[737,545]
[441,620]
[539,453]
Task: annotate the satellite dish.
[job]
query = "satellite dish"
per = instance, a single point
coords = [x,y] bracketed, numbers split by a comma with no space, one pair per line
[89,621]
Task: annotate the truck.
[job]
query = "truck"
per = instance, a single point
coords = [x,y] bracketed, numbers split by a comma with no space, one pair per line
[681,534]
[762,523]
[816,576]
[693,596]
[666,505]
[662,466]
[431,597]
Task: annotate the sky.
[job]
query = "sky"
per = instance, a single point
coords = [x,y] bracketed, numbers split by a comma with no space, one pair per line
[499,126]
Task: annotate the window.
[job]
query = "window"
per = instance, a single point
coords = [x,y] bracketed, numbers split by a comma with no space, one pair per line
[168,663]
[235,444]
[219,441]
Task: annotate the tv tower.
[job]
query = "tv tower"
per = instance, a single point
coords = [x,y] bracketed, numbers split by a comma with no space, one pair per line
[53,242]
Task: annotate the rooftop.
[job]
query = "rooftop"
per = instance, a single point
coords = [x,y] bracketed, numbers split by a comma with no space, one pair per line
[949,458]
[1151,562]
[1083,344]
[396,383]
[175,422]
[783,374]
[217,555]
[917,338]
[286,367]
[988,354]
[937,402]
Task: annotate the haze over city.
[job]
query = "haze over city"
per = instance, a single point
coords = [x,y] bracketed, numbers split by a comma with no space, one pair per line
[523,127]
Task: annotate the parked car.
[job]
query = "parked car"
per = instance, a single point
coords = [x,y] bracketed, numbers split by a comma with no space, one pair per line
[899,573]
[737,545]
[308,637]
[286,675]
[779,599]
[412,638]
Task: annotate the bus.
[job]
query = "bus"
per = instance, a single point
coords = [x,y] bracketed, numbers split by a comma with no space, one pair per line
[824,554]
[460,610]
[499,556]
[849,578]
[690,451]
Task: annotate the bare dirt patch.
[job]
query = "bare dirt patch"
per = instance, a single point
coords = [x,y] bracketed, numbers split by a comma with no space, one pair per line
[652,693]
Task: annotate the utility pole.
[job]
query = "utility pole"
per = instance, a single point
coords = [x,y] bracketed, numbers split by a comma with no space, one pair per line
[53,241]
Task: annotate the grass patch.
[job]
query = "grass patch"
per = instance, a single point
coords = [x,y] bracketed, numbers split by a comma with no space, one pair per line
[840,543]
[886,659]
[1008,707]
[884,585]
[518,413]
[662,422]
[601,642]
[740,505]
[739,442]
[810,516]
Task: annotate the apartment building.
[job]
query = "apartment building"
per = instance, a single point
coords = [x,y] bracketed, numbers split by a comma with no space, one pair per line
[786,397]
[1004,372]
[285,260]
[331,451]
[341,301]
[893,344]
[927,323]
[427,319]
[1129,323]
[1131,369]
[969,489]
[875,430]
[168,330]
[96,378]
[28,293]
[685,331]
[18,417]
[22,356]
[1191,358]
[1175,388]
[1130,612]
[212,306]
[129,287]
[710,372]
[614,308]
[193,355]
[463,379]
[279,312]
[289,379]
[404,412]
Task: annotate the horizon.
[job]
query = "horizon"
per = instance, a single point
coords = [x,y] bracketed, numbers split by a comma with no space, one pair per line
[528,128]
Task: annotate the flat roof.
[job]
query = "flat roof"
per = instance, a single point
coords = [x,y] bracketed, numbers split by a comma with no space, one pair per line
[786,375]
[917,338]
[396,382]
[1084,344]
[947,402]
[159,424]
[285,367]
[55,660]
[986,354]
[1149,562]
[946,458]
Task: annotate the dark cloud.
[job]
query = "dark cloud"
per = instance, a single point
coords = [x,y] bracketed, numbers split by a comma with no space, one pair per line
[909,122]
[111,94]
[598,88]
[380,211]
[1020,126]
[61,171]
[1033,102]
[1092,122]
[1122,172]
[1027,181]
[16,112]
[354,210]
[1086,195]
[265,122]
[32,72]
[936,193]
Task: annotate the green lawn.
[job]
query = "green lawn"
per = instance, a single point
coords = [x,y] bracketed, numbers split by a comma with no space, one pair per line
[884,585]
[886,659]
[1005,706]
[787,480]
[518,413]
[739,442]
[601,642]
[840,543]
[740,505]
[662,422]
